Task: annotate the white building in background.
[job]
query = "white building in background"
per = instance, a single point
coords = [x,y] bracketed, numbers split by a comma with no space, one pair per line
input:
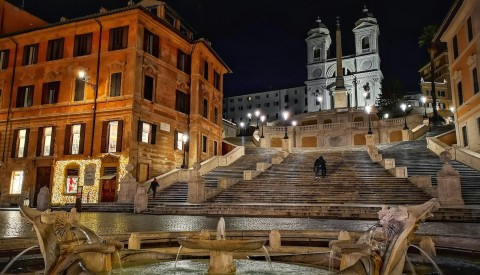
[362,76]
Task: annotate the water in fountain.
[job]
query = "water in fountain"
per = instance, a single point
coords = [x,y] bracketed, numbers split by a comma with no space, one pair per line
[16,258]
[221,229]
[178,255]
[429,258]
[267,257]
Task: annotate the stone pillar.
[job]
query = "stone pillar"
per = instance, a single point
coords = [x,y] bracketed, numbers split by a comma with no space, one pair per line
[406,135]
[43,199]
[141,199]
[263,142]
[370,140]
[196,186]
[128,186]
[287,145]
[448,183]
[275,239]
[134,241]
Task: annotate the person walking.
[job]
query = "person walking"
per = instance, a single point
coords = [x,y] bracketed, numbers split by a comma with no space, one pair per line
[154,185]
[317,167]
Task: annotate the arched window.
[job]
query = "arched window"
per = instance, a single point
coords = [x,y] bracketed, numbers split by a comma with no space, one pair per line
[316,52]
[365,43]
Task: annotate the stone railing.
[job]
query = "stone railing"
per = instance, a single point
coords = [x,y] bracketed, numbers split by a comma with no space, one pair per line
[467,157]
[232,156]
[436,146]
[419,131]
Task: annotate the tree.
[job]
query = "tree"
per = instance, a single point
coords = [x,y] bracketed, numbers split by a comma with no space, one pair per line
[389,100]
[427,40]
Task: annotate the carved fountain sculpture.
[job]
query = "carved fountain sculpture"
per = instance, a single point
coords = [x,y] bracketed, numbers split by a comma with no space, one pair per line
[382,250]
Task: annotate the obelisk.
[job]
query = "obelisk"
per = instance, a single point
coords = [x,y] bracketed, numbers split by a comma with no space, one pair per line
[340,95]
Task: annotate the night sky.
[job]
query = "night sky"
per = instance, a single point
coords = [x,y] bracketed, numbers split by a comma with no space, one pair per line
[263,41]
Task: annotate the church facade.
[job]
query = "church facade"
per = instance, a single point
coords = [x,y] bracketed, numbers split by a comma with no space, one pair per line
[361,71]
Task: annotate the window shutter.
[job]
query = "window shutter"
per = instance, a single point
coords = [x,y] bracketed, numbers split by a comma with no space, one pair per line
[124,37]
[156,45]
[68,136]
[49,50]
[35,57]
[188,61]
[60,48]
[175,139]
[14,143]
[52,142]
[5,60]
[139,132]
[89,43]
[25,55]
[82,138]
[45,93]
[111,39]
[119,135]
[187,104]
[39,141]
[146,33]
[57,90]
[27,137]
[154,133]
[103,146]
[20,96]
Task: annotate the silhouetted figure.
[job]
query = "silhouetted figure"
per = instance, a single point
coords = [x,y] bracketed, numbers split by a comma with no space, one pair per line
[153,186]
[323,166]
[317,166]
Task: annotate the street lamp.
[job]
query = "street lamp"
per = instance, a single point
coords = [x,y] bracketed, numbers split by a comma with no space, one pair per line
[386,115]
[368,109]
[184,139]
[249,118]
[424,100]
[257,114]
[241,127]
[294,123]
[403,106]
[285,116]
[365,94]
[262,119]
[320,99]
[83,76]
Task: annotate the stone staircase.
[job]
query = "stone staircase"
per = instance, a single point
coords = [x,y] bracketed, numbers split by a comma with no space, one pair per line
[421,161]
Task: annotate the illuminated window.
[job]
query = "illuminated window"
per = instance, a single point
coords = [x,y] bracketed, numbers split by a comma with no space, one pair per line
[24,96]
[47,148]
[71,182]
[74,139]
[179,141]
[112,132]
[150,43]
[50,92]
[16,182]
[30,54]
[22,137]
[112,136]
[146,132]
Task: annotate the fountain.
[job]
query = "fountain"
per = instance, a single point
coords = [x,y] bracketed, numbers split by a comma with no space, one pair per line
[68,247]
[369,255]
[221,250]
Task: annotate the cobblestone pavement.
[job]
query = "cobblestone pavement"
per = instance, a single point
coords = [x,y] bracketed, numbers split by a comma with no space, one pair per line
[12,224]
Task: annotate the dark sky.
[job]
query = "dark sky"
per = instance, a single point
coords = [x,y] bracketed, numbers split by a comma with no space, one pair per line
[263,41]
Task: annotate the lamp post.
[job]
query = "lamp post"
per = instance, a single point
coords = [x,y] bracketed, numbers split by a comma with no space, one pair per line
[285,116]
[365,98]
[241,128]
[184,139]
[294,123]
[368,109]
[424,100]
[257,114]
[320,99]
[262,119]
[403,106]
[452,109]
[249,118]
[83,76]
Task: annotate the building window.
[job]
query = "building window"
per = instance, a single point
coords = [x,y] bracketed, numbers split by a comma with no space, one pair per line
[74,139]
[455,47]
[205,70]
[16,183]
[178,141]
[230,100]
[4,59]
[151,43]
[316,52]
[469,29]
[306,101]
[460,93]
[465,136]
[286,98]
[182,102]
[115,84]
[24,96]
[148,87]
[76,135]
[295,101]
[45,141]
[30,54]
[146,132]
[240,108]
[50,92]
[204,144]
[215,117]
[216,80]
[20,143]
[83,44]
[205,108]
[266,104]
[365,44]
[79,92]
[441,93]
[257,97]
[118,38]
[170,18]
[239,99]
[55,49]
[215,150]
[112,132]
[71,183]
[475,80]
[183,62]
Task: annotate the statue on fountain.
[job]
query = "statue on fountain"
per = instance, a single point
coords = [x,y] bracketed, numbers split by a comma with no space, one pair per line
[382,250]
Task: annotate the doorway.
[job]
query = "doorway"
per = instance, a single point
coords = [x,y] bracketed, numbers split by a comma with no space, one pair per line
[43,179]
[108,189]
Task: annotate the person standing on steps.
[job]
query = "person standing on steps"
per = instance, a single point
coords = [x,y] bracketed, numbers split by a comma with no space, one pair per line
[323,166]
[154,185]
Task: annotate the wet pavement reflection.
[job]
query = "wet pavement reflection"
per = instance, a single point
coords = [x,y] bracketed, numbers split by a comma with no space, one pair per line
[14,225]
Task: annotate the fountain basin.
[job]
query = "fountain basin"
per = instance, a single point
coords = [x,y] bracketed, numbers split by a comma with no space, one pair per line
[221,245]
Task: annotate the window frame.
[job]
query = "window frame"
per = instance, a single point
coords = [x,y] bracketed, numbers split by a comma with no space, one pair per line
[55,49]
[79,89]
[69,135]
[182,102]
[107,136]
[152,92]
[4,59]
[25,96]
[42,144]
[115,86]
[183,61]
[152,134]
[204,144]
[17,142]
[82,44]
[30,54]
[47,88]
[118,38]
[205,70]
[13,188]
[205,108]
[476,87]
[469,29]
[216,80]
[151,43]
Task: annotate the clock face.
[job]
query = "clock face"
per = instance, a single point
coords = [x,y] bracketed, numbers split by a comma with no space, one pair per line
[317,73]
